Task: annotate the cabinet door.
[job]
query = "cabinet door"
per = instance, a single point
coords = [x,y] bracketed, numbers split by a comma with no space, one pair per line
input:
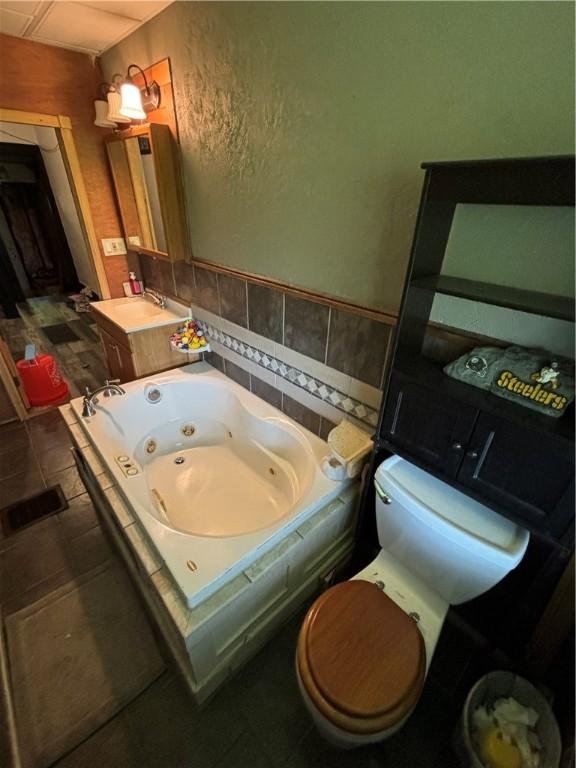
[427,425]
[152,351]
[118,359]
[525,472]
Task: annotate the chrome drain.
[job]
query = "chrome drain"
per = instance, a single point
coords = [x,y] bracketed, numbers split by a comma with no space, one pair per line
[179,460]
[152,394]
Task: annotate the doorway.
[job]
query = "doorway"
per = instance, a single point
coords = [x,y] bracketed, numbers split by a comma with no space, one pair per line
[80,364]
[35,258]
[38,273]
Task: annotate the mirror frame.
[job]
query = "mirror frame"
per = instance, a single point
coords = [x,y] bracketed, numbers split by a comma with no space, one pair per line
[166,159]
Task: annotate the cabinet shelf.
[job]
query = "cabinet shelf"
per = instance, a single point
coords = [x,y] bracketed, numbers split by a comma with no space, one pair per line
[430,374]
[544,304]
[517,461]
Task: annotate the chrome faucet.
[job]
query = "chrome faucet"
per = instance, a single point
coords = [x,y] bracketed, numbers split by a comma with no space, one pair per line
[156,297]
[109,389]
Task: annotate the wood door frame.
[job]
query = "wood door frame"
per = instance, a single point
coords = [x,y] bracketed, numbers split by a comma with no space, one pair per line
[12,383]
[63,128]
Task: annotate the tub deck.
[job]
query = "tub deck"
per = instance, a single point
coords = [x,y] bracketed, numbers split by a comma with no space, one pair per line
[257,580]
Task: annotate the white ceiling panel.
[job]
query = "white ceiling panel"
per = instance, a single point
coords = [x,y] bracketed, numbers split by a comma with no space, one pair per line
[80,26]
[138,9]
[22,6]
[90,26]
[13,23]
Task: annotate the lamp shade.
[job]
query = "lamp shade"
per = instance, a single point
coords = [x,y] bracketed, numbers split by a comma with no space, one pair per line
[114,102]
[131,105]
[102,120]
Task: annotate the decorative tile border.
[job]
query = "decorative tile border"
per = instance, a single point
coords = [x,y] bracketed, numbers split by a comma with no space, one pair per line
[311,384]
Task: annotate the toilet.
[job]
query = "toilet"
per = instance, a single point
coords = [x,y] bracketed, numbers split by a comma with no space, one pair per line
[366,645]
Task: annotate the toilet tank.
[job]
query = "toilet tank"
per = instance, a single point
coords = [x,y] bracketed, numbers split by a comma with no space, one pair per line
[459,547]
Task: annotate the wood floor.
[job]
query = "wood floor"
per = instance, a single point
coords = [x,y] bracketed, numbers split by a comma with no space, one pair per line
[81,362]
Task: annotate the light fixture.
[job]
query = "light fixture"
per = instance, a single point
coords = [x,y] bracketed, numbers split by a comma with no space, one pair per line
[102,120]
[133,106]
[104,112]
[115,102]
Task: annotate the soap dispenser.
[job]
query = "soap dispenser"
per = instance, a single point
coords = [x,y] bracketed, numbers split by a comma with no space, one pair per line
[135,286]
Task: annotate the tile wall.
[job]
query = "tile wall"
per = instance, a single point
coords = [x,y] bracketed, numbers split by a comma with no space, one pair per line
[316,363]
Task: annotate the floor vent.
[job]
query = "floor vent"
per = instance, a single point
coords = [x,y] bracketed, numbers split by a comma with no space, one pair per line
[29,511]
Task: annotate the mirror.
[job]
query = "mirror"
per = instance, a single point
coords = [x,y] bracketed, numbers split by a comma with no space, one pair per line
[124,192]
[145,169]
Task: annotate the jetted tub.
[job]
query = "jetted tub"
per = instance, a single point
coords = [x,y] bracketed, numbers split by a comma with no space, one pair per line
[214,474]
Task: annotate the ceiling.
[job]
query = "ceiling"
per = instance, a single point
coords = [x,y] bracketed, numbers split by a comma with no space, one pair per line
[89,26]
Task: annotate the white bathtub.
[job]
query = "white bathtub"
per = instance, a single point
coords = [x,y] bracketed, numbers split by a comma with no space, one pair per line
[214,474]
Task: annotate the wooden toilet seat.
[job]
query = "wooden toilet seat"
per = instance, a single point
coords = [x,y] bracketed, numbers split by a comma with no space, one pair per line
[361,659]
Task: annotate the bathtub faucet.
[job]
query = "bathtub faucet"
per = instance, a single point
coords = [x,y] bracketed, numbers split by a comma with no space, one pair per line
[156,297]
[108,389]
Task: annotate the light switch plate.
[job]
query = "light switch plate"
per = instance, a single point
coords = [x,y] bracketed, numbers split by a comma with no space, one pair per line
[134,240]
[113,246]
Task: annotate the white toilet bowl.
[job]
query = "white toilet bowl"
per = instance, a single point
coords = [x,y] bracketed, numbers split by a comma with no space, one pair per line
[365,645]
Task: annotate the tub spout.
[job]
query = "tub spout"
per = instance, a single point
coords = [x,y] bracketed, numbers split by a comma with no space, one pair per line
[108,389]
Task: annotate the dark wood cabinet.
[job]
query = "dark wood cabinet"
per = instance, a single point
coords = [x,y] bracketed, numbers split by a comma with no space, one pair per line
[514,460]
[432,428]
[520,472]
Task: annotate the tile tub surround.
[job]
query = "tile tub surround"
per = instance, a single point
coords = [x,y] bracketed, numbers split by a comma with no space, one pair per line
[157,273]
[319,425]
[286,378]
[351,346]
[219,635]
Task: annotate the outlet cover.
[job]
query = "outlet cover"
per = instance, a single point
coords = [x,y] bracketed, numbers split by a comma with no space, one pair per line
[134,240]
[113,246]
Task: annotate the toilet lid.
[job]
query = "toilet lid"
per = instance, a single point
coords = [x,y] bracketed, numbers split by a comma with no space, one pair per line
[366,656]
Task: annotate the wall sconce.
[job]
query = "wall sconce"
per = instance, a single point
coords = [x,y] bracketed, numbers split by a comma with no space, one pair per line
[108,107]
[114,103]
[135,103]
[102,120]
[125,101]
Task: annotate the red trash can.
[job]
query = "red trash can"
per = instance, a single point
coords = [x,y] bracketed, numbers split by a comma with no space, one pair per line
[42,380]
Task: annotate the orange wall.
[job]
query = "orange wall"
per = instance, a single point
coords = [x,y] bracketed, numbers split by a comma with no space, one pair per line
[55,81]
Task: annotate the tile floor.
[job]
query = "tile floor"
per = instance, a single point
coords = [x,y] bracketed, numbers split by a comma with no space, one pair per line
[257,719]
[81,362]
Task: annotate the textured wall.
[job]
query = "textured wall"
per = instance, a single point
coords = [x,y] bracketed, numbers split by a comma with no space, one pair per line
[303,124]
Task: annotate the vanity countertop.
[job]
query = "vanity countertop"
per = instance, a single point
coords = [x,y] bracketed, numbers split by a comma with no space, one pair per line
[136,313]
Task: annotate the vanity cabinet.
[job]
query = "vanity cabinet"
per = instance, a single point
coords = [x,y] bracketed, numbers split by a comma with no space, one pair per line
[119,359]
[130,356]
[145,165]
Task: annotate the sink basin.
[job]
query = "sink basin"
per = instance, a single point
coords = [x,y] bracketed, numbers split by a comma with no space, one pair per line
[138,308]
[138,313]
